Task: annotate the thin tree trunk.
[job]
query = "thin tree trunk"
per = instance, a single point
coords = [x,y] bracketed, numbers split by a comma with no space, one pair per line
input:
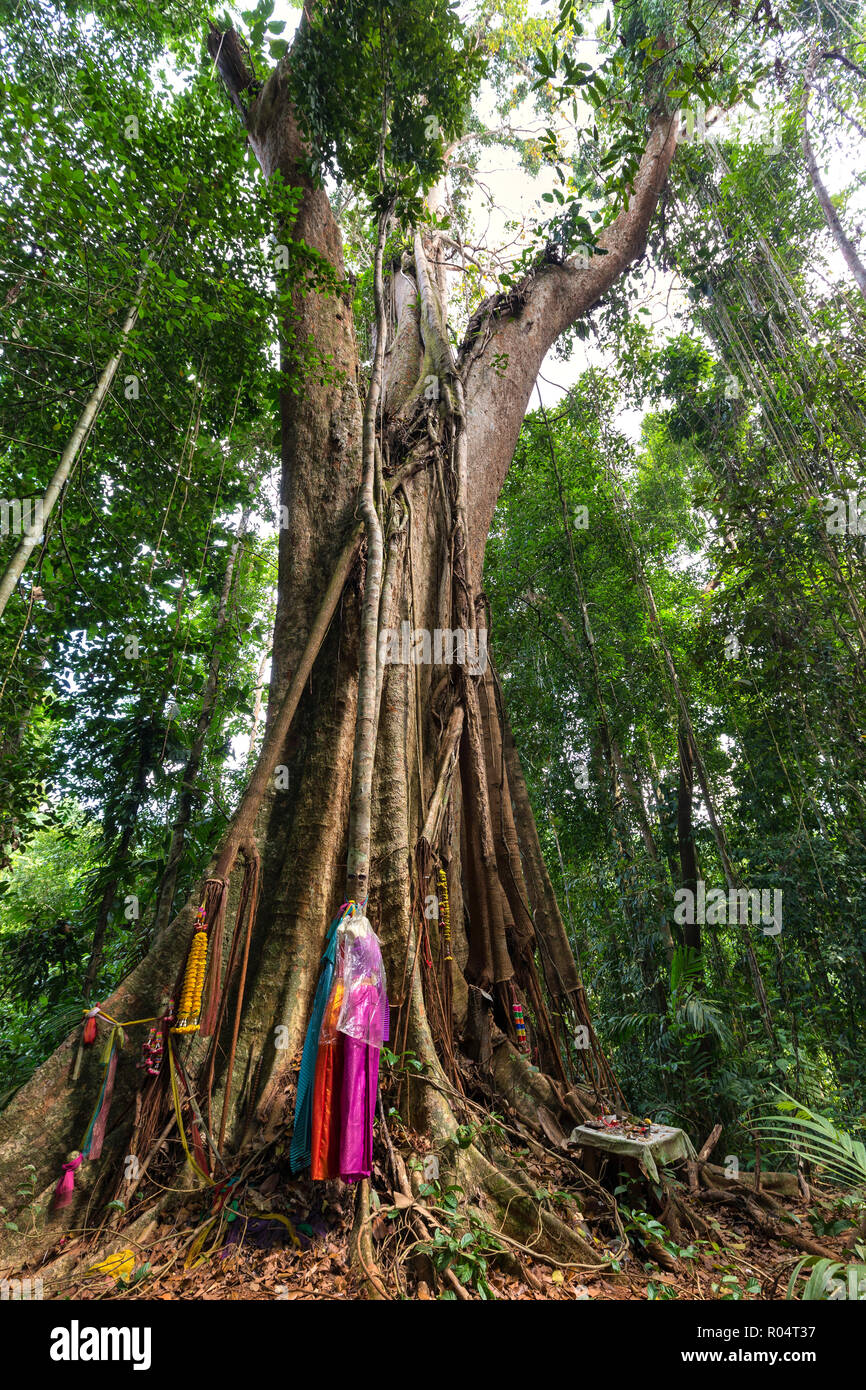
[139,791]
[364,755]
[257,703]
[831,216]
[189,783]
[148,759]
[686,830]
[70,454]
[700,767]
[613,758]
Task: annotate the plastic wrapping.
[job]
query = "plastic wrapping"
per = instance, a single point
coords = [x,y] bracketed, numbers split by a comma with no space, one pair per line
[328,1035]
[363,1013]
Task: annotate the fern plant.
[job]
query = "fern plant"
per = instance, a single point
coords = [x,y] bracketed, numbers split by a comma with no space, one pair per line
[690,1011]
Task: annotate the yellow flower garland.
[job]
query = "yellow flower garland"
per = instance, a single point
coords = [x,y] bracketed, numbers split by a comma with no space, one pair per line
[193,984]
[445,913]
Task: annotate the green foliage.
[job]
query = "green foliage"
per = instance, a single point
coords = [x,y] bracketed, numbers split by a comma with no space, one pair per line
[652,58]
[811,1136]
[462,1244]
[732,1289]
[702,457]
[43,938]
[827,1279]
[750,411]
[406,1062]
[108,159]
[645,1230]
[364,72]
[43,892]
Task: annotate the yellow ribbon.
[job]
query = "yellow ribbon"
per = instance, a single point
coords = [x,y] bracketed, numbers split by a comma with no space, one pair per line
[194,1256]
[119,1266]
[131,1024]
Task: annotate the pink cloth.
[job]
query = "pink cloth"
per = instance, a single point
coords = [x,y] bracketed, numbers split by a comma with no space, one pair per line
[66,1186]
[354,1026]
[363,1024]
[358,1108]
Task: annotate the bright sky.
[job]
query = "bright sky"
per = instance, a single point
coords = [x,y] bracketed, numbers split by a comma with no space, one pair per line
[516,198]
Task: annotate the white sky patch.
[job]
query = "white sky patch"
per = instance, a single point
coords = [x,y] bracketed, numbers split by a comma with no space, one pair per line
[506,199]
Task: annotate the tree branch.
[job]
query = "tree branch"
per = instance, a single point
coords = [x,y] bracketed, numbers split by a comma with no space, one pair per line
[513,333]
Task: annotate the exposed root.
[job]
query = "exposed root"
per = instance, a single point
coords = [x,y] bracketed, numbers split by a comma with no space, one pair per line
[520,1215]
[767,1224]
[361,1245]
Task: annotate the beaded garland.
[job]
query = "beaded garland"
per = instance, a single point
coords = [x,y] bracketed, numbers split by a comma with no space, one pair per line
[519,1023]
[151,1052]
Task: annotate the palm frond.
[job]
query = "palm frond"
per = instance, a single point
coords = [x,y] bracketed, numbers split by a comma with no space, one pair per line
[815,1138]
[703,1015]
[687,968]
[828,1279]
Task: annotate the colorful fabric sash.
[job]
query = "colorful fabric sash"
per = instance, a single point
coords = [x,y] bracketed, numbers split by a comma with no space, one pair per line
[300,1152]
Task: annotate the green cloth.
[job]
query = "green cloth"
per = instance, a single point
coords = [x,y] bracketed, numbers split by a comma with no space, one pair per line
[662,1144]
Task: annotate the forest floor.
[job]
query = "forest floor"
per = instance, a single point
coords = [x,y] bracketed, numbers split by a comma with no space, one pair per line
[205,1250]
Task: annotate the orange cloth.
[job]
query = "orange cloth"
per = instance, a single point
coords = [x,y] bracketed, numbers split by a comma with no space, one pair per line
[327,1088]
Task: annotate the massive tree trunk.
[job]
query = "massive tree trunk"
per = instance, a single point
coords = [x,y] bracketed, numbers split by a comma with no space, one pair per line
[447,785]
